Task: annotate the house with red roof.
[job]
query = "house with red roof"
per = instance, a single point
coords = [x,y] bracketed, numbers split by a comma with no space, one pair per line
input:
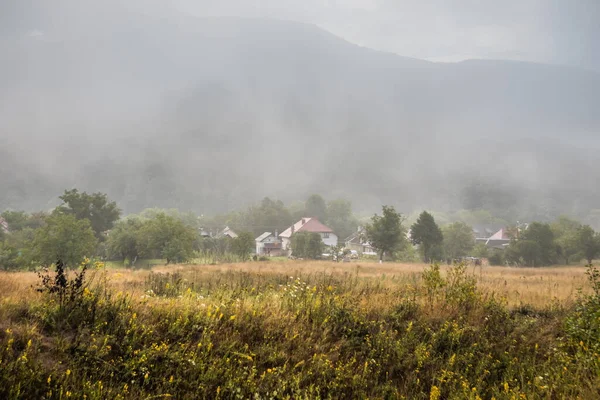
[309,225]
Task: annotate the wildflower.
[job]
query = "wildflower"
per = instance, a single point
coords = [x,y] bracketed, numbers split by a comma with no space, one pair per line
[232,318]
[68,372]
[171,379]
[435,393]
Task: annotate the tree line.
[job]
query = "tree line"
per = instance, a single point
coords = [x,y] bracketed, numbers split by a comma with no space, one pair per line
[538,244]
[92,225]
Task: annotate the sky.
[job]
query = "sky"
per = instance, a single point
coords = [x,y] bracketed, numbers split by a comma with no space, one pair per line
[548,31]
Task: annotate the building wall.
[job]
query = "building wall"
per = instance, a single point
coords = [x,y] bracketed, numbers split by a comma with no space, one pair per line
[330,239]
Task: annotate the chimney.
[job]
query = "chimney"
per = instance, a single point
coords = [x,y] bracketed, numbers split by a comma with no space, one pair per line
[276,234]
[293,229]
[303,221]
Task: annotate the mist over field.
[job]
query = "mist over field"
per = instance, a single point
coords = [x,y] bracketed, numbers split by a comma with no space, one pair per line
[209,109]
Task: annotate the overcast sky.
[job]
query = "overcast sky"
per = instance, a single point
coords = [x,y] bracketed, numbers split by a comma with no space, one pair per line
[554,31]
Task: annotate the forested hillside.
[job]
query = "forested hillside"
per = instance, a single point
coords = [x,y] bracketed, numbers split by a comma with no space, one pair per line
[212,114]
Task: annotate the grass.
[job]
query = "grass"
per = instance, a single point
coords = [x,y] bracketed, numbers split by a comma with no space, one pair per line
[300,329]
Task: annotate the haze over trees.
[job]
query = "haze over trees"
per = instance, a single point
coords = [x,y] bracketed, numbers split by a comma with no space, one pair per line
[174,99]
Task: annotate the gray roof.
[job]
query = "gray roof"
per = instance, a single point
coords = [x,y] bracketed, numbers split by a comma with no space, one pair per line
[263,236]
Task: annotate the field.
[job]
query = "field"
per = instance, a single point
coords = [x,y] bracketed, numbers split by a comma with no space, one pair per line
[299,329]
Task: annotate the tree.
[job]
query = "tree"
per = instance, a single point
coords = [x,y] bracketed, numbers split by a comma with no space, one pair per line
[566,237]
[123,240]
[168,237]
[427,235]
[315,207]
[546,251]
[386,233]
[66,238]
[459,240]
[19,220]
[340,218]
[307,245]
[589,242]
[95,207]
[243,245]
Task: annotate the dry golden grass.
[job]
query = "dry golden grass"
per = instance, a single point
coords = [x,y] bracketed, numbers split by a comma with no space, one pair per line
[535,286]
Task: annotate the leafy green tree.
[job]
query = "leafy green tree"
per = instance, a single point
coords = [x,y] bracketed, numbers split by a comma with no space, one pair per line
[340,218]
[16,251]
[459,240]
[315,207]
[167,237]
[589,242]
[95,207]
[566,237]
[545,253]
[19,220]
[123,240]
[427,235]
[525,252]
[243,245]
[307,245]
[385,232]
[66,238]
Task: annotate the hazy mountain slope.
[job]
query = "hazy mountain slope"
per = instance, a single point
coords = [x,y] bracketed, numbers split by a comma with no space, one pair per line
[208,114]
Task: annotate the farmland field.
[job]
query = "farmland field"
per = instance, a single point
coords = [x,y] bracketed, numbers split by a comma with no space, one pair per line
[301,329]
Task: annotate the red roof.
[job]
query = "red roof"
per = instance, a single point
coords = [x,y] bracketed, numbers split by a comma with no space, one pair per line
[314,225]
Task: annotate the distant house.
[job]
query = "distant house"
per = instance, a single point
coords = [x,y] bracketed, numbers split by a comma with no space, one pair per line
[499,239]
[483,232]
[309,225]
[357,241]
[268,244]
[227,232]
[3,225]
[204,233]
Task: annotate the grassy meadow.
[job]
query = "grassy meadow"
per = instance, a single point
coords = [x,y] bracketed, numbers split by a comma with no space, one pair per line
[302,330]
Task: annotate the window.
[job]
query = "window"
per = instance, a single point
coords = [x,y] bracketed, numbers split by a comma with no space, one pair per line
[326,236]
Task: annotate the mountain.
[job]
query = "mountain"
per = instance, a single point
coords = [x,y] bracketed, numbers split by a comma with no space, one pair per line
[208,114]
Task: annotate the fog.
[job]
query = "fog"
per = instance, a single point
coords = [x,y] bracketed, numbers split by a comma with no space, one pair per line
[209,106]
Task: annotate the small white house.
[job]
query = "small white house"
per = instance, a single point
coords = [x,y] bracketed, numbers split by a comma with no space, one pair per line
[268,244]
[309,225]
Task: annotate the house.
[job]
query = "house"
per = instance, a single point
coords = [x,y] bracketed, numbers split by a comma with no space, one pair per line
[358,242]
[204,233]
[499,239]
[483,232]
[227,232]
[269,244]
[3,225]
[309,225]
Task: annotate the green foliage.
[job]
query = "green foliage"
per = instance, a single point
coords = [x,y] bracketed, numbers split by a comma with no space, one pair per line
[481,250]
[589,242]
[566,237]
[497,257]
[95,207]
[535,247]
[243,245]
[16,251]
[123,240]
[167,237]
[64,238]
[386,233]
[428,236]
[459,240]
[315,207]
[19,220]
[340,218]
[307,245]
